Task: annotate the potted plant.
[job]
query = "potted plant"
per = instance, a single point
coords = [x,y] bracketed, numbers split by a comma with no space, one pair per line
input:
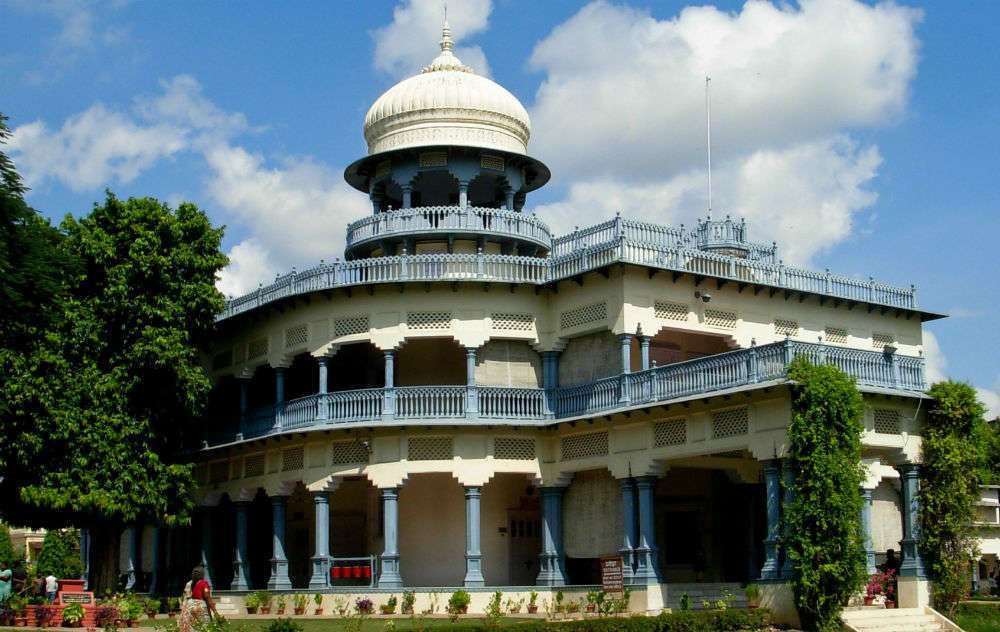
[409,597]
[152,607]
[252,603]
[459,602]
[573,607]
[73,615]
[752,593]
[131,610]
[44,615]
[299,604]
[364,606]
[559,606]
[265,601]
[389,607]
[17,606]
[591,601]
[318,600]
[106,615]
[533,603]
[279,603]
[173,606]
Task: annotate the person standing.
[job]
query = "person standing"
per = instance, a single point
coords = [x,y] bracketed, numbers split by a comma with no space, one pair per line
[51,587]
[5,579]
[199,607]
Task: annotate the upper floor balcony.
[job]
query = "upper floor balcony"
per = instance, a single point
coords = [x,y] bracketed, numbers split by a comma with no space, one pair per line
[716,374]
[384,231]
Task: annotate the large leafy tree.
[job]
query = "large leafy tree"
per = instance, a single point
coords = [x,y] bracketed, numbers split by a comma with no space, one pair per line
[60,554]
[826,543]
[7,547]
[101,407]
[949,488]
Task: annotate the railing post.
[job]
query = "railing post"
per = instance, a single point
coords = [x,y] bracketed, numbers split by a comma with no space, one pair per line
[822,351]
[781,273]
[753,370]
[893,365]
[480,263]
[322,405]
[471,390]
[913,296]
[827,281]
[389,391]
[624,396]
[404,264]
[279,397]
[787,347]
[871,289]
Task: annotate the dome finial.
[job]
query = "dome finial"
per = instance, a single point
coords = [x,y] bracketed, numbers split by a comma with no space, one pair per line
[446,41]
[446,59]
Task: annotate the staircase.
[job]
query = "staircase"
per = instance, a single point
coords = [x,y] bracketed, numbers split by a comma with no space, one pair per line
[700,592]
[876,619]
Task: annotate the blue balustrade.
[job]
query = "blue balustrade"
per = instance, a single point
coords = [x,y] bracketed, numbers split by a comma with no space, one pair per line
[706,375]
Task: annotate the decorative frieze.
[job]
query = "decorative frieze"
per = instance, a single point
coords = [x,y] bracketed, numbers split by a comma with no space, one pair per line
[733,422]
[835,335]
[257,348]
[351,325]
[886,421]
[582,446]
[720,318]
[512,322]
[422,321]
[666,310]
[430,449]
[882,340]
[669,432]
[253,465]
[583,315]
[434,159]
[292,459]
[296,336]
[784,327]
[348,453]
[514,448]
[494,163]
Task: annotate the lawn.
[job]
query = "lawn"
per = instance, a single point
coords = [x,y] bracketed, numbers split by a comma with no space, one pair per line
[253,624]
[978,617]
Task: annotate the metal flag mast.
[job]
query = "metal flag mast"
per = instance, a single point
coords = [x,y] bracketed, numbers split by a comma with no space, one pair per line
[708,133]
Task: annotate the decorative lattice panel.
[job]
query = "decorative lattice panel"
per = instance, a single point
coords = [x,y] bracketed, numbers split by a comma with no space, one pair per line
[240,354]
[254,464]
[257,349]
[222,359]
[383,168]
[886,421]
[512,322]
[434,159]
[670,432]
[784,327]
[720,318]
[835,335]
[491,162]
[293,459]
[730,423]
[348,453]
[218,472]
[350,325]
[670,311]
[296,336]
[881,341]
[596,313]
[428,320]
[514,448]
[430,449]
[582,446]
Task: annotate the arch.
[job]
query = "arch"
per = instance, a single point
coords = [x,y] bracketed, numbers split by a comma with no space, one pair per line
[436,187]
[426,361]
[388,193]
[487,190]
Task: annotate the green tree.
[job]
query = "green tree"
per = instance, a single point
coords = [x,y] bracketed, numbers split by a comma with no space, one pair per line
[110,395]
[826,544]
[7,547]
[949,489]
[60,554]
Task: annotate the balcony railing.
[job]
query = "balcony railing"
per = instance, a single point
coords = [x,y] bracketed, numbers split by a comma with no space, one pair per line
[449,219]
[616,241]
[536,406]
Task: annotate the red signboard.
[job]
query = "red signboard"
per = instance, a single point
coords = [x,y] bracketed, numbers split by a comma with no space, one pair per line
[612,575]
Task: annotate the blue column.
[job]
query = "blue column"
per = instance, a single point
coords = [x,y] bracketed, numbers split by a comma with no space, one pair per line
[550,380]
[389,392]
[241,579]
[772,487]
[85,556]
[206,541]
[407,195]
[626,347]
[323,408]
[551,558]
[389,577]
[132,544]
[788,495]
[866,530]
[647,569]
[154,578]
[913,564]
[279,563]
[628,529]
[644,351]
[279,396]
[321,561]
[244,386]
[471,391]
[473,556]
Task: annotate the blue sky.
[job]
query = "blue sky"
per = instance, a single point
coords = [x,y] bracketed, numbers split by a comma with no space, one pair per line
[864,137]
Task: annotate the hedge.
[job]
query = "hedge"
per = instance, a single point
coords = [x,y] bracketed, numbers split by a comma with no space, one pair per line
[731,620]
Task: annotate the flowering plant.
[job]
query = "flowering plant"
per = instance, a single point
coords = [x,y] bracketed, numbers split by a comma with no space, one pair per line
[882,583]
[364,605]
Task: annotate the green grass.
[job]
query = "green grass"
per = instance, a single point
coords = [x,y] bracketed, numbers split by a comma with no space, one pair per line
[978,618]
[370,625]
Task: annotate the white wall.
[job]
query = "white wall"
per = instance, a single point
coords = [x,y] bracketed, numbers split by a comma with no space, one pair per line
[887,517]
[592,509]
[432,531]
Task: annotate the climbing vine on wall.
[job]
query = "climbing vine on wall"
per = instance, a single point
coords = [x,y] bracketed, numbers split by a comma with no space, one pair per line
[949,488]
[825,544]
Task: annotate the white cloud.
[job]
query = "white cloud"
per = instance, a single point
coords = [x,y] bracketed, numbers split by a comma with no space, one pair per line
[249,265]
[410,41]
[297,210]
[788,193]
[936,366]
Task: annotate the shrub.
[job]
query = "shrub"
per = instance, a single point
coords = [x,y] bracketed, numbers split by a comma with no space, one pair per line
[284,625]
[60,554]
[826,545]
[73,613]
[731,620]
[299,601]
[106,615]
[364,605]
[6,546]
[409,597]
[459,601]
[948,493]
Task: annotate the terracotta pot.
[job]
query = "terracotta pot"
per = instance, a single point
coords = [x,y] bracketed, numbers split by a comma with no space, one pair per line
[300,611]
[869,600]
[532,609]
[890,604]
[251,610]
[319,611]
[265,609]
[171,614]
[281,611]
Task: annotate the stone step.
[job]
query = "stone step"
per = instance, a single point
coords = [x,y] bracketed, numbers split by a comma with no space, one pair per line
[891,620]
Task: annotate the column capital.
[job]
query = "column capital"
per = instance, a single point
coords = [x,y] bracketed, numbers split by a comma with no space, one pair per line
[473,491]
[645,482]
[771,465]
[322,360]
[625,337]
[389,492]
[626,483]
[909,470]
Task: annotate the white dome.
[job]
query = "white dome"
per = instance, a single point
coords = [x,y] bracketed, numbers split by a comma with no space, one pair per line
[447,104]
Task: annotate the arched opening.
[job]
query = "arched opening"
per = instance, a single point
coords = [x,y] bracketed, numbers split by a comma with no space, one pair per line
[259,533]
[592,524]
[261,390]
[223,409]
[488,190]
[677,345]
[435,188]
[430,361]
[300,519]
[432,530]
[388,193]
[301,377]
[223,543]
[354,366]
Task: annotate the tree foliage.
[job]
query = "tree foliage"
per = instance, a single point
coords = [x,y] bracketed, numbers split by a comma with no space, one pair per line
[60,554]
[949,489]
[826,543]
[7,547]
